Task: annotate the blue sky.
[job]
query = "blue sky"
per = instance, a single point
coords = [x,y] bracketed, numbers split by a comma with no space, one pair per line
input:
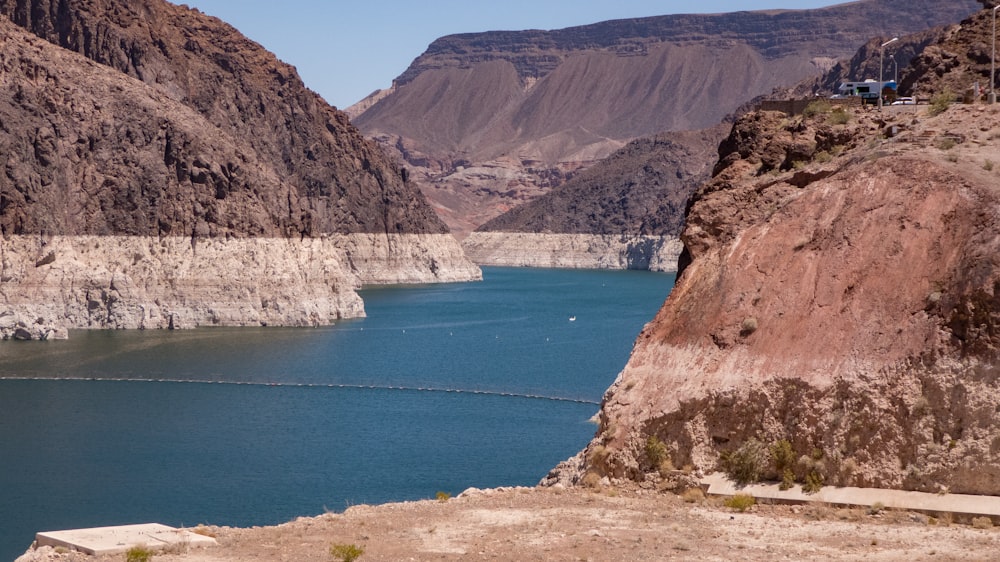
[346,49]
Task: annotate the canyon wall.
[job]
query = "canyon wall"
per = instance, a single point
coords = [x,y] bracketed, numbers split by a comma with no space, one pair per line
[574,251]
[161,170]
[838,289]
[487,121]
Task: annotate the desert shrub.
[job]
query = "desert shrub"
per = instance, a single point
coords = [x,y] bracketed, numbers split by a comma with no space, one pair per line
[782,455]
[818,107]
[442,496]
[746,464]
[813,482]
[839,116]
[876,508]
[203,531]
[940,102]
[982,522]
[787,479]
[946,143]
[599,458]
[748,326]
[656,451]
[988,165]
[138,554]
[740,502]
[591,479]
[693,495]
[346,552]
[783,461]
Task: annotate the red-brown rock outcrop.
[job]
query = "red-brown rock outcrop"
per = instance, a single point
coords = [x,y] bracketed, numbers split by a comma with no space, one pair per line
[839,291]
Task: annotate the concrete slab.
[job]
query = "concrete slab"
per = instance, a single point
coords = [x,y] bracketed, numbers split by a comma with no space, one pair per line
[114,540]
[962,505]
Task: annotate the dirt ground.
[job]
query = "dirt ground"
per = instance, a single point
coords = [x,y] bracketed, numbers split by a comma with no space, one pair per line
[580,524]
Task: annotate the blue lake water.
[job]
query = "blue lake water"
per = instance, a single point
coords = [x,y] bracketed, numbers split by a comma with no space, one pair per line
[258,426]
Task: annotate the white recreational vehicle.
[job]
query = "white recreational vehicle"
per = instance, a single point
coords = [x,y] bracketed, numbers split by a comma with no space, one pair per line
[866,90]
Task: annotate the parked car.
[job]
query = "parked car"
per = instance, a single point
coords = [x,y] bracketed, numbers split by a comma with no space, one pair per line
[905,101]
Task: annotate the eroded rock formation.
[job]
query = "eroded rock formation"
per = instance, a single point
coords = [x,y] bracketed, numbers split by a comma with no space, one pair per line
[491,120]
[218,189]
[839,290]
[625,212]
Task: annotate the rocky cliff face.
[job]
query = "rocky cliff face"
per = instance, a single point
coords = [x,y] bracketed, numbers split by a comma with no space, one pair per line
[574,251]
[629,205]
[178,135]
[839,291]
[526,109]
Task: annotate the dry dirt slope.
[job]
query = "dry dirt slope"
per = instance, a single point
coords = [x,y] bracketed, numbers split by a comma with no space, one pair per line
[554,524]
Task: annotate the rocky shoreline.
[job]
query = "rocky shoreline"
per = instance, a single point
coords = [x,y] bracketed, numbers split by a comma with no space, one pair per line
[147,282]
[580,251]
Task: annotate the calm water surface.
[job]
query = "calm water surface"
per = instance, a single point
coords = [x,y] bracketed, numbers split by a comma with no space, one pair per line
[258,426]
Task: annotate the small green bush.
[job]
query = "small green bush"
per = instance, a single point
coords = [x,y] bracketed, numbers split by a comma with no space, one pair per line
[138,554]
[787,479]
[940,102]
[656,451]
[443,496]
[813,483]
[818,107]
[346,552]
[740,502]
[782,455]
[746,464]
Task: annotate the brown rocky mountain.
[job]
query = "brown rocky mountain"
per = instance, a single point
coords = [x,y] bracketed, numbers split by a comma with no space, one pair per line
[865,64]
[839,292]
[955,62]
[633,200]
[336,181]
[642,188]
[163,170]
[490,120]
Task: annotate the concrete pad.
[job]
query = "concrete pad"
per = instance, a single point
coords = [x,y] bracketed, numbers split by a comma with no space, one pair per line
[114,540]
[963,505]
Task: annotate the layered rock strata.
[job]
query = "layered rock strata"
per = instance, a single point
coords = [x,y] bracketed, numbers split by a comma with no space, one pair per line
[574,251]
[528,109]
[182,176]
[839,290]
[625,212]
[139,282]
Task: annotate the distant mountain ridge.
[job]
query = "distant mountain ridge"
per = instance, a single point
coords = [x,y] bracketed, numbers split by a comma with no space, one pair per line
[641,189]
[528,109]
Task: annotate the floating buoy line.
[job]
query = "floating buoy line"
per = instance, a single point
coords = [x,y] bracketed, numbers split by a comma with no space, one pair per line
[435,390]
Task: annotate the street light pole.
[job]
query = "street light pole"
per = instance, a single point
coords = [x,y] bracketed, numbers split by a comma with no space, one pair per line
[881,61]
[993,59]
